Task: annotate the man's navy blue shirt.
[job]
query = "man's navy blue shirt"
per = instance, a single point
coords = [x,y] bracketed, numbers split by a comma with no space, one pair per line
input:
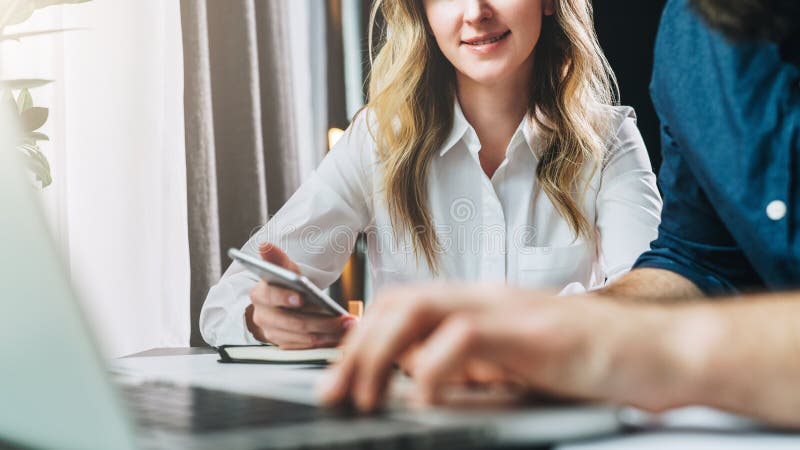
[730,176]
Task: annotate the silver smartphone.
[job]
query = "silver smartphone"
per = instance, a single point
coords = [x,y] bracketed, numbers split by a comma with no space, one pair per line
[284,278]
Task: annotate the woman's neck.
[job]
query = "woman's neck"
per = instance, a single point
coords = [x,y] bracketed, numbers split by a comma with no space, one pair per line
[494,111]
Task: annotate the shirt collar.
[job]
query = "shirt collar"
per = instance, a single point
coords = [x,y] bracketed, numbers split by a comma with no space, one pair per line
[462,130]
[460,127]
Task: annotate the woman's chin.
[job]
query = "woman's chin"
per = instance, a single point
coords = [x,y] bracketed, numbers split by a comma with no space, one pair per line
[488,77]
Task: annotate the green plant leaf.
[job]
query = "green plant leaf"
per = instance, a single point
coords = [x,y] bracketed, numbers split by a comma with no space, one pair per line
[10,104]
[37,163]
[7,96]
[24,100]
[33,137]
[33,118]
[36,136]
[18,36]
[13,12]
[23,84]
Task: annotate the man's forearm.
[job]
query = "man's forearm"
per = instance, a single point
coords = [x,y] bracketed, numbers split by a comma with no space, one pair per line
[756,369]
[739,355]
[654,285]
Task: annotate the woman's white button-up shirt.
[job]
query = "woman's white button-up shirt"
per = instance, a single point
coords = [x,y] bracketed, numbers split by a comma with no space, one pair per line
[498,229]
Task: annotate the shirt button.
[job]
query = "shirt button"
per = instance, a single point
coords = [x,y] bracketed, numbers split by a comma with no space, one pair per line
[776,210]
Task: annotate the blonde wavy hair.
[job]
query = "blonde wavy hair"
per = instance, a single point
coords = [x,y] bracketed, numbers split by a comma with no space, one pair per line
[412,90]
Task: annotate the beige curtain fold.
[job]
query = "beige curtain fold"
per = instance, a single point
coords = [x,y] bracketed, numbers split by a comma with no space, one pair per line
[241,132]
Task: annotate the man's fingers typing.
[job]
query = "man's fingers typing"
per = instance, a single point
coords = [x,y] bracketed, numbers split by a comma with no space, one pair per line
[391,336]
[445,353]
[339,381]
[365,370]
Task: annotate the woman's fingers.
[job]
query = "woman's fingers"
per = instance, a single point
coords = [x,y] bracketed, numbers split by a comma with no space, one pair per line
[288,340]
[292,329]
[298,322]
[265,295]
[284,298]
[277,316]
[301,333]
[271,253]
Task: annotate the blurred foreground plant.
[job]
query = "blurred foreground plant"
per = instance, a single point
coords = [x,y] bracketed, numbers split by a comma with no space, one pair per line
[31,118]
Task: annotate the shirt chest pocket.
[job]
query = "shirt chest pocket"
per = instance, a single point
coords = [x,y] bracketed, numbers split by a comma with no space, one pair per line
[554,267]
[397,276]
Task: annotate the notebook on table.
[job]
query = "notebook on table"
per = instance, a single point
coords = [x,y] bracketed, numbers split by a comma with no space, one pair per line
[270,354]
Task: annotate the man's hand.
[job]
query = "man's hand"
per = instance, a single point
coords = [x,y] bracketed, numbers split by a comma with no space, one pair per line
[474,372]
[740,356]
[278,316]
[577,347]
[397,321]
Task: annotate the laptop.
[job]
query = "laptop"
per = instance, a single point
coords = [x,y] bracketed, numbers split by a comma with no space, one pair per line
[56,390]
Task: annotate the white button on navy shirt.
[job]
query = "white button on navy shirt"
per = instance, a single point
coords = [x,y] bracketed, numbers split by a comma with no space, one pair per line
[501,229]
[776,210]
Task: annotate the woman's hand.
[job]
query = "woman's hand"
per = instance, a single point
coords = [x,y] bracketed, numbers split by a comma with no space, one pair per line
[279,316]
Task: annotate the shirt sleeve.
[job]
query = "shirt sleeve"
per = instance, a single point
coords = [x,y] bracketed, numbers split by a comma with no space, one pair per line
[317,228]
[692,240]
[628,203]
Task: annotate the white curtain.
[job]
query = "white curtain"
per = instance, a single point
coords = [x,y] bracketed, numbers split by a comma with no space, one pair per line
[118,199]
[309,76]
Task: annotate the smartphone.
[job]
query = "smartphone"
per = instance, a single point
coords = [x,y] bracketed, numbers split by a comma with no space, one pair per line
[284,278]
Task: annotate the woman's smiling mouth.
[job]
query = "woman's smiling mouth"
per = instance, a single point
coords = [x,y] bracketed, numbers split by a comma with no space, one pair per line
[486,39]
[485,44]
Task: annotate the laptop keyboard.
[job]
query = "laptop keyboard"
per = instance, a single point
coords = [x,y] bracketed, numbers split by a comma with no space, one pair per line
[195,409]
[192,411]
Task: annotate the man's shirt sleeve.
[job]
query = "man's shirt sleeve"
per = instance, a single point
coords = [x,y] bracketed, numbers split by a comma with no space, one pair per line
[692,240]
